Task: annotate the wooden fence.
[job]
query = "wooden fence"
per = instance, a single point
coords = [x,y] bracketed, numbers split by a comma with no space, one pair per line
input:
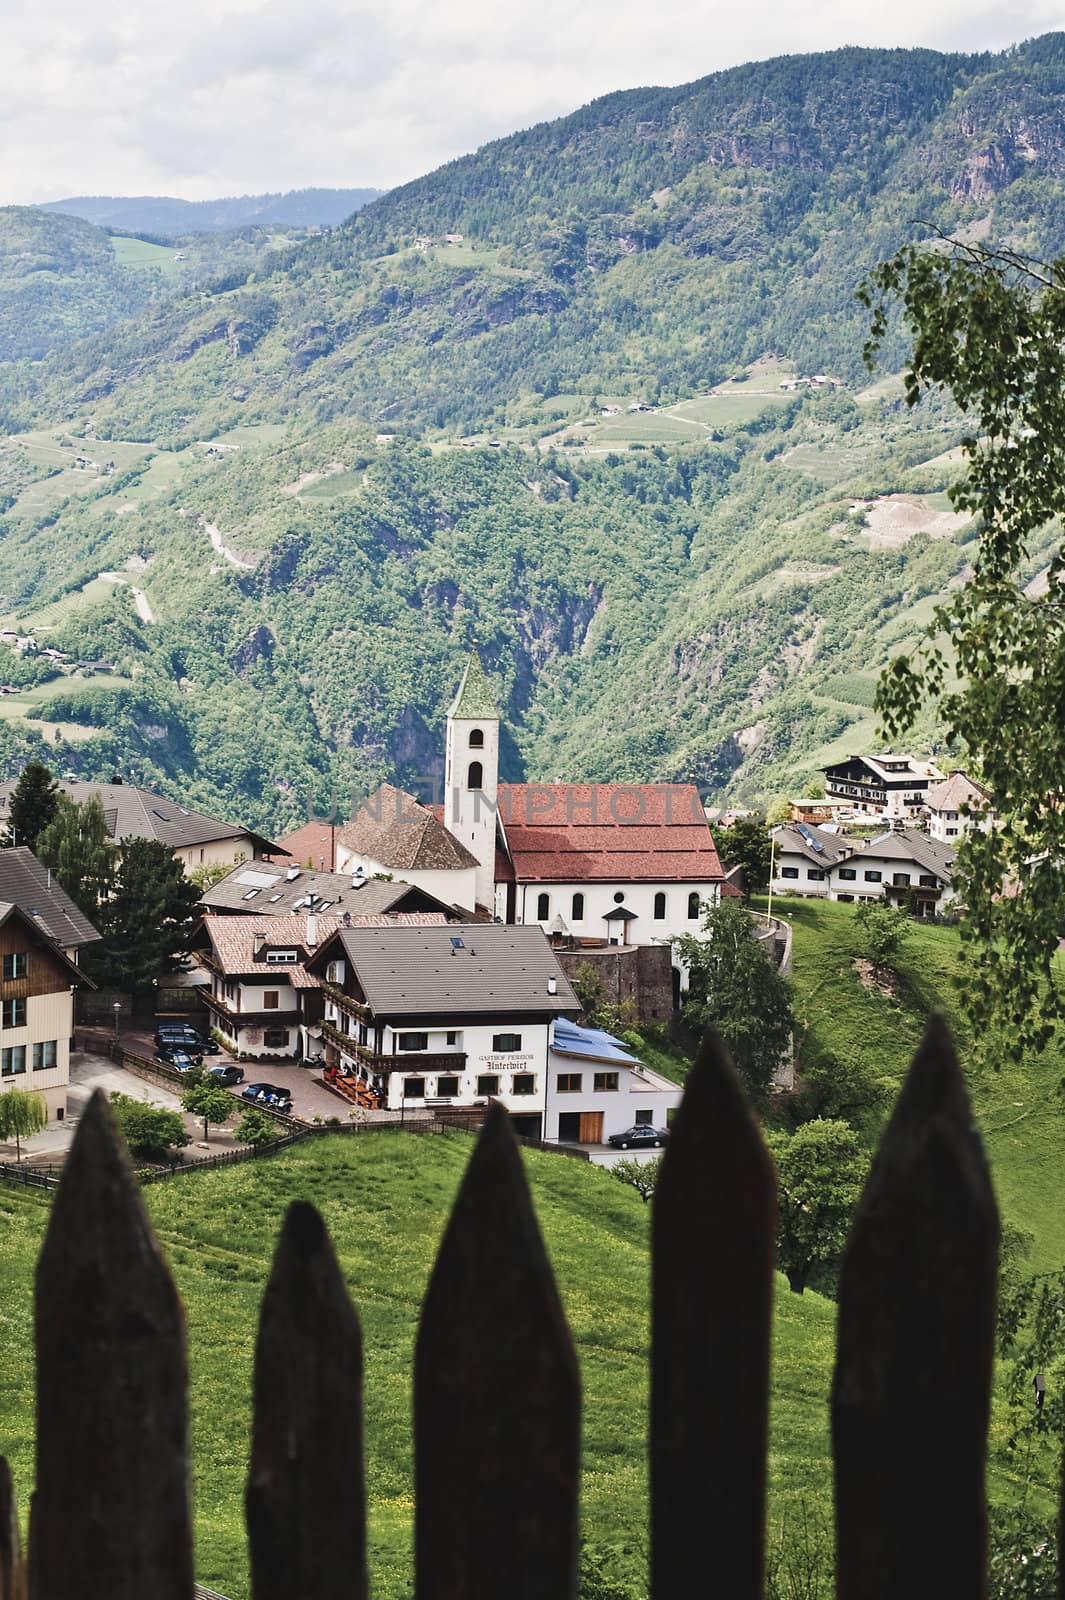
[496,1388]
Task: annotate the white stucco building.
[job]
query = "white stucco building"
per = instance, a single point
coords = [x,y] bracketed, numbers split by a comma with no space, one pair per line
[596,1087]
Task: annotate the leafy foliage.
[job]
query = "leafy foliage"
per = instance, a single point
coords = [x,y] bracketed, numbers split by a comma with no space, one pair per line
[821,1168]
[746,844]
[32,805]
[256,1128]
[734,988]
[77,847]
[151,1132]
[988,327]
[22,1114]
[882,931]
[209,1101]
[146,919]
[639,1175]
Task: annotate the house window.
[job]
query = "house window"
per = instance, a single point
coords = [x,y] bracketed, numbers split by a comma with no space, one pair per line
[16,965]
[900,880]
[13,1014]
[569,1082]
[524,1083]
[44,1055]
[413,1041]
[693,906]
[414,1088]
[927,881]
[577,908]
[619,895]
[476,738]
[475,776]
[12,1060]
[452,1037]
[873,877]
[815,873]
[334,972]
[543,907]
[275,1038]
[606,1082]
[447,1088]
[659,912]
[789,872]
[488,1083]
[848,899]
[271,999]
[505,1043]
[848,873]
[951,833]
[644,1119]
[284,958]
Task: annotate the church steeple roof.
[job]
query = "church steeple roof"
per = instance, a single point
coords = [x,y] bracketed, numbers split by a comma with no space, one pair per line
[476,696]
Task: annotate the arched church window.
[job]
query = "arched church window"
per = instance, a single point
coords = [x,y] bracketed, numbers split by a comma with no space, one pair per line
[660,906]
[577,912]
[543,907]
[476,738]
[475,776]
[693,907]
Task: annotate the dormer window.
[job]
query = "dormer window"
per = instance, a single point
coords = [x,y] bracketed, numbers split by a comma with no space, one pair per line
[475,776]
[282,957]
[477,739]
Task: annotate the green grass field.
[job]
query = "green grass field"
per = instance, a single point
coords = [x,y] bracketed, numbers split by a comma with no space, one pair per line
[139,253]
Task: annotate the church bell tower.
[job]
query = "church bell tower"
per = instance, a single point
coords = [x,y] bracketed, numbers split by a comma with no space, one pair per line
[471,773]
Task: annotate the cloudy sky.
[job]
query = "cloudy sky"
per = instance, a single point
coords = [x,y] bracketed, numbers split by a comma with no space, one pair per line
[221,97]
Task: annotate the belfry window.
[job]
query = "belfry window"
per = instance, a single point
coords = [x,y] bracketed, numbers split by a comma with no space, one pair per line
[475,776]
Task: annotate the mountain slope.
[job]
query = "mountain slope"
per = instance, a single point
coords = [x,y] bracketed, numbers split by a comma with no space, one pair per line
[707,588]
[297,208]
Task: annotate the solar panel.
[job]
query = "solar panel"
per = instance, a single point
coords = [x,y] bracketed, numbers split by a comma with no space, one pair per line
[815,844]
[259,880]
[457,944]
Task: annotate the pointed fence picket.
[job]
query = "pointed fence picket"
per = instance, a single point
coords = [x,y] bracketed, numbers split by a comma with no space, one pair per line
[496,1388]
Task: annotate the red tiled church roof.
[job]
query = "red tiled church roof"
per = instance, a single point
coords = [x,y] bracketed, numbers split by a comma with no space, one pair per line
[573,832]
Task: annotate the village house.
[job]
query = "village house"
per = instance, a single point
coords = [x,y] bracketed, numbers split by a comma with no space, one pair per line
[394,834]
[262,999]
[270,889]
[597,1087]
[37,984]
[196,839]
[956,805]
[457,1015]
[30,885]
[885,788]
[902,865]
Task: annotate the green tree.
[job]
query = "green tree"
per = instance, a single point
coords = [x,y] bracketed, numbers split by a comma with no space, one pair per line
[821,1168]
[256,1128]
[735,988]
[209,1101]
[77,847]
[33,804]
[22,1114]
[148,918]
[882,932]
[213,872]
[151,1132]
[987,329]
[639,1175]
[746,845]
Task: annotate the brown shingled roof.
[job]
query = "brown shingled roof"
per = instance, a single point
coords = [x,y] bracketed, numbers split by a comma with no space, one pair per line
[394,828]
[233,940]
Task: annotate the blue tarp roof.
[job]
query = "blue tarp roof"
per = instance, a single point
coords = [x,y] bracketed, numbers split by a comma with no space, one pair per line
[594,1044]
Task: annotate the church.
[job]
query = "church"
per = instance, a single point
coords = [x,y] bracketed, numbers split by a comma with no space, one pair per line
[596,865]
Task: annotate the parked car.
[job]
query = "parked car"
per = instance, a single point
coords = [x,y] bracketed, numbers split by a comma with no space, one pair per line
[268,1094]
[641,1137]
[186,1037]
[227,1075]
[180,1060]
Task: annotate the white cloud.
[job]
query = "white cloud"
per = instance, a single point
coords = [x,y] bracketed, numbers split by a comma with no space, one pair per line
[234,96]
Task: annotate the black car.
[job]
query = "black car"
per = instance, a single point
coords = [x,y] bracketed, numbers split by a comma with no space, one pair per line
[185,1037]
[641,1137]
[227,1075]
[268,1094]
[180,1060]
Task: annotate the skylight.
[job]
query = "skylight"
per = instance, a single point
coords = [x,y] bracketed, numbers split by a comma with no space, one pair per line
[250,894]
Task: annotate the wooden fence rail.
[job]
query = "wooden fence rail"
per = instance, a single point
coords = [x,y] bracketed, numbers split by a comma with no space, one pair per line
[496,1388]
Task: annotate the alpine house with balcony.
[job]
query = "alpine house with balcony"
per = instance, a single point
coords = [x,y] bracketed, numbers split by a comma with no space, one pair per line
[459,1015]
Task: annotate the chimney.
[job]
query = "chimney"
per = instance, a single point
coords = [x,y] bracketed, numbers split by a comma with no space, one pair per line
[292,874]
[552,985]
[312,932]
[258,940]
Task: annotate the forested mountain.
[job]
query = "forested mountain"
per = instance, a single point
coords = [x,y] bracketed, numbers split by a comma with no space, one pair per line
[296,208]
[334,470]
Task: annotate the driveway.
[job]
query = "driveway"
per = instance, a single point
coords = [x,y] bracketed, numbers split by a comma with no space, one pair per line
[604,1155]
[310,1097]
